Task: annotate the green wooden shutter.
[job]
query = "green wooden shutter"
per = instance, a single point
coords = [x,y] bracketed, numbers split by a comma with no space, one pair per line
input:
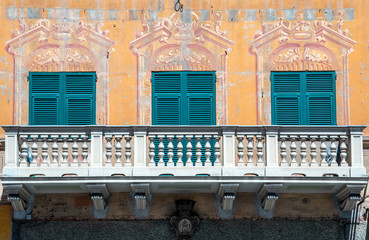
[166,98]
[303,98]
[201,98]
[320,98]
[80,98]
[59,98]
[44,98]
[286,98]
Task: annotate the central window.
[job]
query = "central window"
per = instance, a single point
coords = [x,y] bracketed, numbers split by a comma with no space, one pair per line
[183,98]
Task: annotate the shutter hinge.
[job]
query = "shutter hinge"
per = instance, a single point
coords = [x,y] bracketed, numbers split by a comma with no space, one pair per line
[27,78]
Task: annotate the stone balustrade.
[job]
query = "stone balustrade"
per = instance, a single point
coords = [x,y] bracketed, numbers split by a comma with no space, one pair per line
[183,151]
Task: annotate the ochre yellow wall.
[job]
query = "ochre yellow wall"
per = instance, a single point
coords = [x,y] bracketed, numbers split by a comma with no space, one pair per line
[5,221]
[241,64]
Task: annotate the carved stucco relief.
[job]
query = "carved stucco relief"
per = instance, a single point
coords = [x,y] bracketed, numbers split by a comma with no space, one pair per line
[181,42]
[47,46]
[302,46]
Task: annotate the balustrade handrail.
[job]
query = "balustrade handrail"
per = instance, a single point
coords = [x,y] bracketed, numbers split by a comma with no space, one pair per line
[285,129]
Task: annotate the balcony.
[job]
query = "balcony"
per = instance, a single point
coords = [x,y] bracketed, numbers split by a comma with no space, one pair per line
[148,151]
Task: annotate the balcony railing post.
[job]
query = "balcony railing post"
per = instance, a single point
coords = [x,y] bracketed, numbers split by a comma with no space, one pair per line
[271,149]
[229,153]
[356,152]
[96,160]
[11,152]
[140,145]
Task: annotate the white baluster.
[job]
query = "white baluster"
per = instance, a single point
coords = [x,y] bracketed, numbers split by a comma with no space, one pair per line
[54,151]
[44,153]
[65,151]
[108,149]
[250,150]
[260,147]
[151,151]
[23,161]
[118,151]
[161,151]
[84,152]
[334,151]
[34,151]
[240,153]
[74,151]
[323,151]
[180,151]
[303,153]
[128,149]
[293,154]
[313,162]
[217,162]
[170,153]
[198,150]
[343,150]
[189,150]
[207,151]
[283,147]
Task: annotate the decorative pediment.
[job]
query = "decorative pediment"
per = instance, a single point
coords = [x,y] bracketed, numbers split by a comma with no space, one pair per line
[300,30]
[175,30]
[60,46]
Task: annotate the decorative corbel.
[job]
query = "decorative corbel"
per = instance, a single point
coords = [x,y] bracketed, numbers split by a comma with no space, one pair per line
[99,195]
[227,194]
[141,193]
[18,196]
[349,195]
[268,194]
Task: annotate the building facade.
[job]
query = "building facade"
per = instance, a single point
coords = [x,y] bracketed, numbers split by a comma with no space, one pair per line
[180,118]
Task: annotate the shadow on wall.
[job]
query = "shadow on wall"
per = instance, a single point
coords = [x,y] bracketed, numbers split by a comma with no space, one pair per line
[160,229]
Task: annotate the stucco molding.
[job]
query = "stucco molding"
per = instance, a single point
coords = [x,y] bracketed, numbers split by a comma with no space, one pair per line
[51,46]
[299,46]
[181,42]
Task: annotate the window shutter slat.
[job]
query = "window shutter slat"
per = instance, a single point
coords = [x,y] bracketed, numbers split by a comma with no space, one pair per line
[79,111]
[167,110]
[200,109]
[45,110]
[320,82]
[286,82]
[320,109]
[286,110]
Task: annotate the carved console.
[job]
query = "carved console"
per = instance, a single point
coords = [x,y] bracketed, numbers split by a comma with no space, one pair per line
[268,194]
[227,194]
[141,193]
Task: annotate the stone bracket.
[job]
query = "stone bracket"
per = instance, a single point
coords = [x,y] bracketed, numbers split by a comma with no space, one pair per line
[349,195]
[227,194]
[141,193]
[99,195]
[18,196]
[268,194]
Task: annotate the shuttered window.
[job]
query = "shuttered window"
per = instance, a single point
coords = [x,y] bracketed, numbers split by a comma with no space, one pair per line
[183,98]
[62,98]
[303,98]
